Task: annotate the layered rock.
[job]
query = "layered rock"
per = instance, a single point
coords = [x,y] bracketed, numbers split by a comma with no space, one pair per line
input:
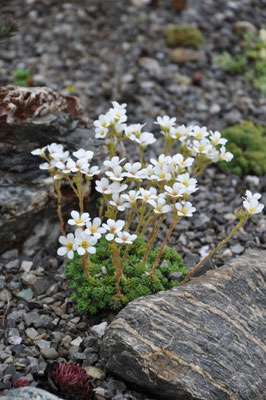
[204,340]
[31,118]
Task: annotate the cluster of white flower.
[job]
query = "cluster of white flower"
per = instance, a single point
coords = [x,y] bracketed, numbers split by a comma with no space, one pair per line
[88,232]
[170,180]
[59,160]
[161,171]
[251,203]
[198,140]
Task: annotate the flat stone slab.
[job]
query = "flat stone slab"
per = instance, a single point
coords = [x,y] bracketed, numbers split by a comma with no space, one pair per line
[205,340]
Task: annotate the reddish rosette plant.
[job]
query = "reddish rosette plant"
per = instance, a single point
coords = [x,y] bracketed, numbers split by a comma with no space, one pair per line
[21,383]
[71,381]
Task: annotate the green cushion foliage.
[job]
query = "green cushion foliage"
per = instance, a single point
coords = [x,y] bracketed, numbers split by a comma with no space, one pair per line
[183,36]
[247,142]
[98,293]
[22,77]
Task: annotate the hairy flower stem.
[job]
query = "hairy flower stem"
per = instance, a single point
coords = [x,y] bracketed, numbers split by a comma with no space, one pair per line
[152,237]
[57,185]
[157,260]
[83,261]
[234,231]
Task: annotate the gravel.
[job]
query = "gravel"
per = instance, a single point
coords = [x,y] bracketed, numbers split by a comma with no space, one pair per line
[103,51]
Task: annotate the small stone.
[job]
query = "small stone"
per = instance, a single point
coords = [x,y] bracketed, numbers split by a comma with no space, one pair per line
[31,333]
[182,79]
[77,341]
[176,276]
[43,344]
[237,249]
[5,295]
[95,373]
[73,351]
[26,294]
[252,180]
[215,108]
[233,117]
[29,279]
[49,353]
[99,329]
[227,253]
[29,393]
[181,56]
[12,265]
[26,266]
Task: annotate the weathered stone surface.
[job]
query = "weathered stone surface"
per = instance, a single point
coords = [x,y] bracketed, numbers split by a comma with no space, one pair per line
[31,118]
[29,393]
[204,340]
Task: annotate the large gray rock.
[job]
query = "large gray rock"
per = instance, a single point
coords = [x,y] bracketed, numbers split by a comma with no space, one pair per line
[29,393]
[31,118]
[202,341]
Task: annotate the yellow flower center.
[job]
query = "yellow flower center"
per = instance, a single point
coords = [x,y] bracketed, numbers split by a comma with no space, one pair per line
[162,175]
[201,148]
[79,221]
[252,210]
[69,246]
[184,211]
[93,229]
[84,244]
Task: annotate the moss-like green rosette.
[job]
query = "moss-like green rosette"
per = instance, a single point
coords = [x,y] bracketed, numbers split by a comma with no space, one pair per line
[98,293]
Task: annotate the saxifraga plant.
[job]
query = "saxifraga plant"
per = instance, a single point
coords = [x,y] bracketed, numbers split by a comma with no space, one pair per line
[8,28]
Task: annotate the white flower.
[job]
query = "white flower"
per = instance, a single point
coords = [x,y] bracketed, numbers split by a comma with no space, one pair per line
[225,156]
[103,186]
[55,149]
[52,164]
[80,165]
[216,138]
[119,110]
[166,123]
[39,152]
[201,146]
[103,122]
[116,174]
[253,206]
[116,187]
[250,196]
[133,131]
[180,132]
[85,242]
[162,160]
[77,219]
[185,209]
[176,191]
[114,227]
[94,228]
[119,202]
[68,246]
[116,116]
[146,195]
[178,159]
[93,171]
[125,237]
[114,162]
[213,155]
[148,171]
[160,206]
[133,170]
[132,196]
[188,183]
[199,132]
[161,173]
[101,133]
[145,139]
[84,154]
[67,168]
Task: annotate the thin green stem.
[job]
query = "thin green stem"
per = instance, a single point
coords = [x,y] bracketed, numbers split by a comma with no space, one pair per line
[57,185]
[234,231]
